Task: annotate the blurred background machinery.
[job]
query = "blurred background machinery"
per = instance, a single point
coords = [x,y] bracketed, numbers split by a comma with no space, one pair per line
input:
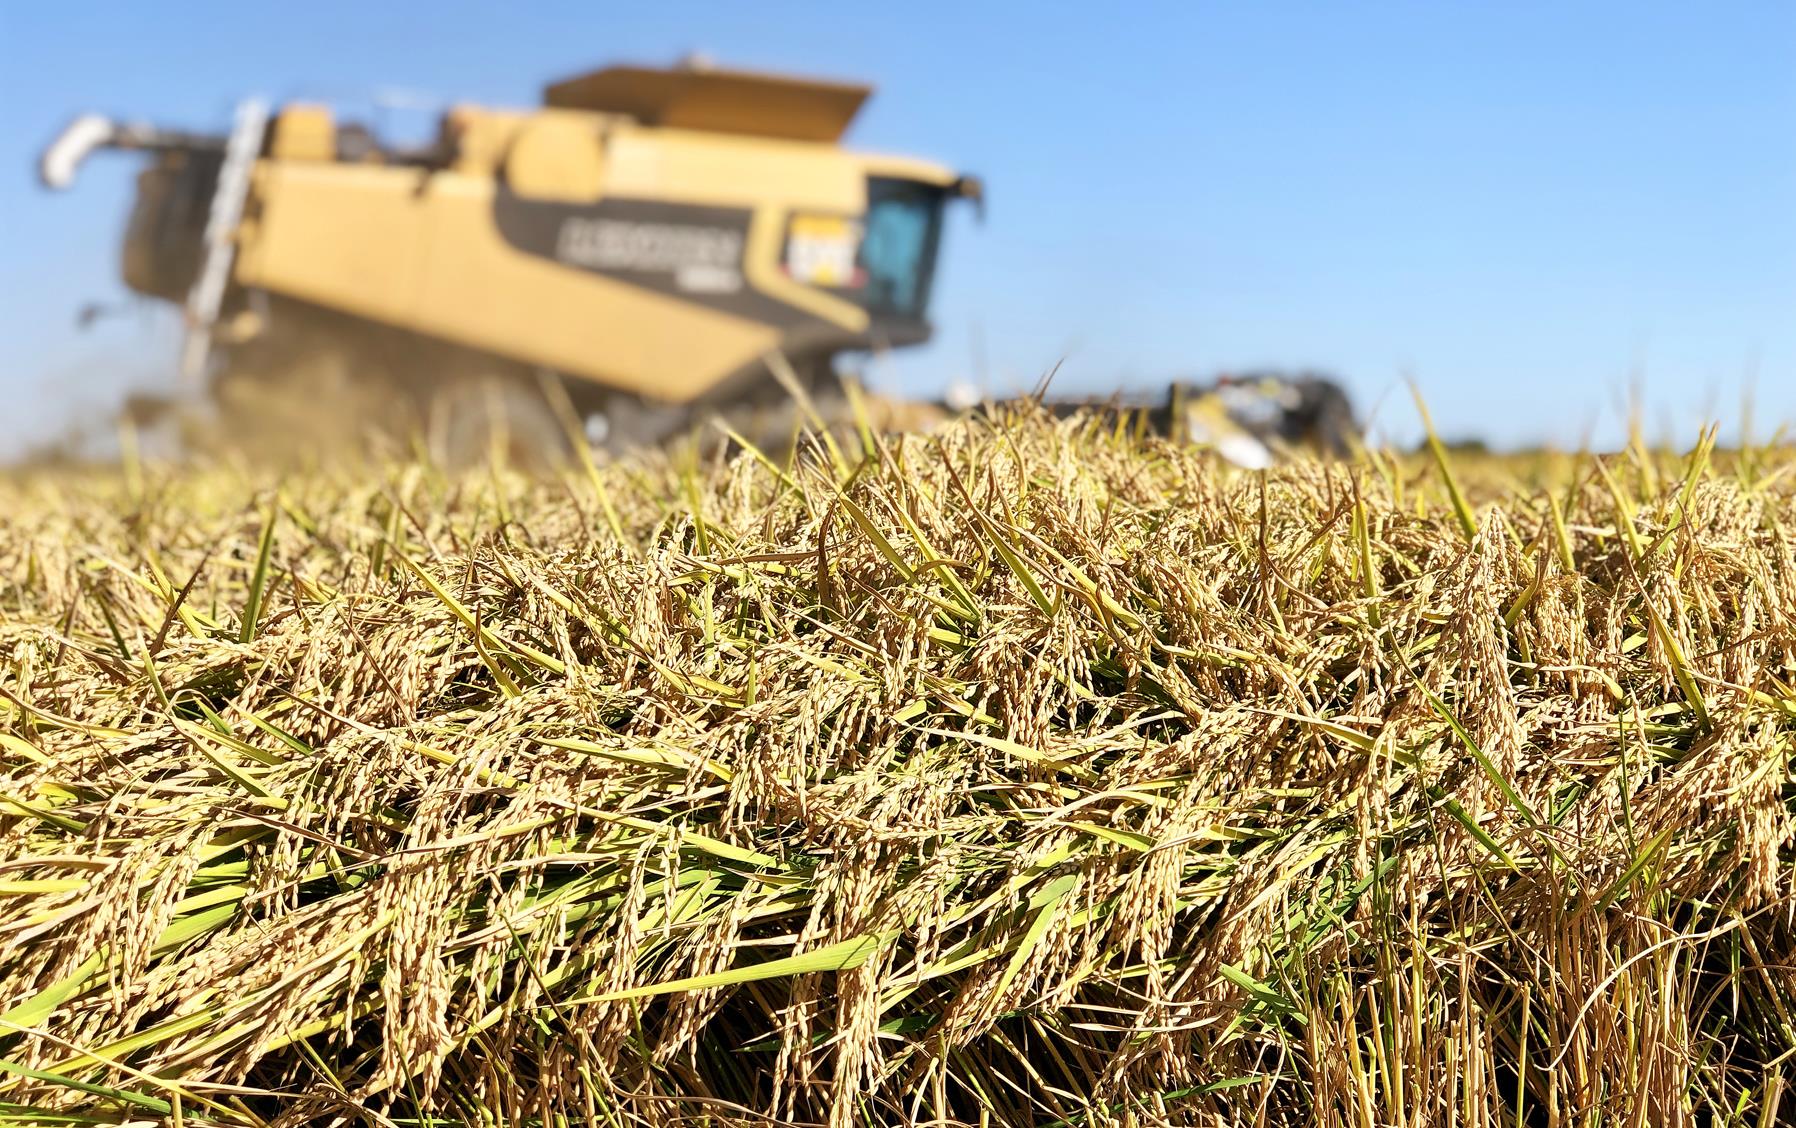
[1252,419]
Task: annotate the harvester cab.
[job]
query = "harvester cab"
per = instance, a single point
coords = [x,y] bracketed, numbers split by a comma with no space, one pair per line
[655,241]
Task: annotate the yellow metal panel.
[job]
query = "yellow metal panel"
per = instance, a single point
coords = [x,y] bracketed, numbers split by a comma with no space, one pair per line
[701,168]
[557,156]
[347,236]
[478,290]
[480,136]
[304,133]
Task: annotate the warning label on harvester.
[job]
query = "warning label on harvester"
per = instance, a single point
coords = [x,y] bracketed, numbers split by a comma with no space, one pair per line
[821,250]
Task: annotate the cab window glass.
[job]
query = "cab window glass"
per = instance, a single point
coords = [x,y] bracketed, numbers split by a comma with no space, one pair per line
[898,246]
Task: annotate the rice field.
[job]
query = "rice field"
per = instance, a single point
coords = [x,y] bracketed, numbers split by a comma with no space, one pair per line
[1025,772]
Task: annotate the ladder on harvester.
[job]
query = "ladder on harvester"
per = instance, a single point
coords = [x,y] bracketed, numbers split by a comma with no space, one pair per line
[220,240]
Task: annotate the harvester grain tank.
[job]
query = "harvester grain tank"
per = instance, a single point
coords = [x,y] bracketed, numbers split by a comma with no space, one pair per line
[657,241]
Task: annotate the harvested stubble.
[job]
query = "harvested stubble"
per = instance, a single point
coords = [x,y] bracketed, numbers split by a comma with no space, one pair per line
[1026,772]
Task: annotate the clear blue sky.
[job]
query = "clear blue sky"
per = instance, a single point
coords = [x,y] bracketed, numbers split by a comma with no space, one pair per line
[1522,204]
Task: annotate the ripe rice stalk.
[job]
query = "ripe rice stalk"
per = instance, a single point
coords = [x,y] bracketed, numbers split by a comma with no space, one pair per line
[1032,771]
[1462,509]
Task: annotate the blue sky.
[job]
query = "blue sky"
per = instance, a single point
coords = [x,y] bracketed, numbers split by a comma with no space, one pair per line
[1524,205]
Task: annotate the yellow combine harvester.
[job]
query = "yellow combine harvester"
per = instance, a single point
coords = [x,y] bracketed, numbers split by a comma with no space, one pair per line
[655,240]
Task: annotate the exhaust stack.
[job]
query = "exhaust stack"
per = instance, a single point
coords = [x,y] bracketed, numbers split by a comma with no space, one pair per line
[63,157]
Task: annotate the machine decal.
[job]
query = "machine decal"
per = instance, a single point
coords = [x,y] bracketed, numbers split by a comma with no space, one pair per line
[692,252]
[701,259]
[821,251]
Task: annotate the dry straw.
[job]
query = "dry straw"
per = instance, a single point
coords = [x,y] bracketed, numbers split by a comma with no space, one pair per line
[1029,772]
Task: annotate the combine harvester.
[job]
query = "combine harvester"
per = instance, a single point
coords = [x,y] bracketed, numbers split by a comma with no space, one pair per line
[657,243]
